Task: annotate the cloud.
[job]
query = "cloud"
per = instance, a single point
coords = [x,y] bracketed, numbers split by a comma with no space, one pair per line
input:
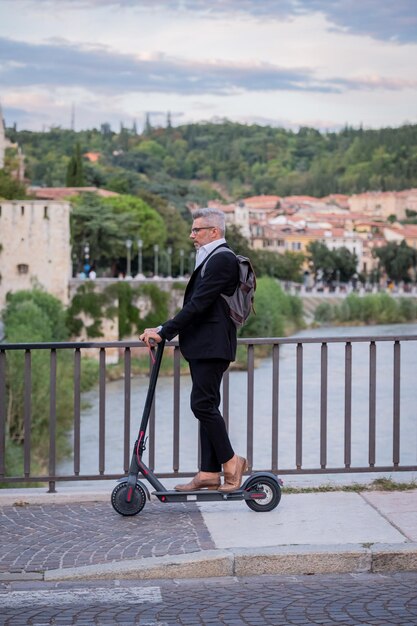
[60,64]
[63,64]
[377,83]
[393,21]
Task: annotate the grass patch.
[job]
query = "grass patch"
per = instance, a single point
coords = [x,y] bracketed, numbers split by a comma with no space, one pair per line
[379,484]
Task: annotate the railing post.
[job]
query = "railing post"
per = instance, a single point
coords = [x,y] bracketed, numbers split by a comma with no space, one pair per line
[299,408]
[102,412]
[348,404]
[323,407]
[127,396]
[372,403]
[152,426]
[396,405]
[52,421]
[250,400]
[77,410]
[176,415]
[27,413]
[226,397]
[2,413]
[275,406]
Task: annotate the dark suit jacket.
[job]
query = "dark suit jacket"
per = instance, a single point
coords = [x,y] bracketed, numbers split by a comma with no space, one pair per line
[204,327]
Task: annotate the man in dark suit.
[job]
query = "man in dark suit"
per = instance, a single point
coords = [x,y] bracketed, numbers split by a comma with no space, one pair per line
[207,338]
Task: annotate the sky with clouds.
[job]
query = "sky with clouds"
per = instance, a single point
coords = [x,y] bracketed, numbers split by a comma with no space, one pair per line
[291,63]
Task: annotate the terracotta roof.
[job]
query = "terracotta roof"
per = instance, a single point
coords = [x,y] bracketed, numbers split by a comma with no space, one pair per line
[262,202]
[409,230]
[301,199]
[226,208]
[60,193]
[92,156]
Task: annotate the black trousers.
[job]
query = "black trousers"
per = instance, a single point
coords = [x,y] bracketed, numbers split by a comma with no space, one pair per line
[206,376]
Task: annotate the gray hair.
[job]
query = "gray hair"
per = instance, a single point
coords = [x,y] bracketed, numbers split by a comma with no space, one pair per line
[214,217]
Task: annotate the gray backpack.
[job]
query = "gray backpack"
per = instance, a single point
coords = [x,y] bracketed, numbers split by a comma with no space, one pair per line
[241,301]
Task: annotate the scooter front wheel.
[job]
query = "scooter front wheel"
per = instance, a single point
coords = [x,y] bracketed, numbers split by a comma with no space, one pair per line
[271,490]
[120,503]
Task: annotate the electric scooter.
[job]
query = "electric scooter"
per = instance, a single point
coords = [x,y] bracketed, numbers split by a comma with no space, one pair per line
[261,491]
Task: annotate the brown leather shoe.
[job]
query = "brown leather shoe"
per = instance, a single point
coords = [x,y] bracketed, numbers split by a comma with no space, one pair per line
[233,481]
[200,483]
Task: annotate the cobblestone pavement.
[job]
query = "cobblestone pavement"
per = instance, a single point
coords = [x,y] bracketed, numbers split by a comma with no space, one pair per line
[38,538]
[339,600]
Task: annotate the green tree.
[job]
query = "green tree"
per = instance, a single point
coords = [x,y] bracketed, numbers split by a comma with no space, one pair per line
[106,223]
[150,225]
[53,315]
[397,260]
[95,222]
[331,265]
[75,170]
[36,317]
[323,261]
[275,311]
[346,264]
[10,188]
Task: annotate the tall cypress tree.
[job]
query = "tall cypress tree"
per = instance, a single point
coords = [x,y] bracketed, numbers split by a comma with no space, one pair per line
[75,170]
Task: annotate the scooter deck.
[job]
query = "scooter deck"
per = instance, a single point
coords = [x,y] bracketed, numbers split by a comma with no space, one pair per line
[207,495]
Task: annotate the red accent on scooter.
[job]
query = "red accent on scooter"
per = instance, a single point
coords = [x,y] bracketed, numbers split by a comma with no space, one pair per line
[138,458]
[129,494]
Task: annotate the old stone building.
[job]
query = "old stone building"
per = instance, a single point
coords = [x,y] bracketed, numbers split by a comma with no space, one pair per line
[34,247]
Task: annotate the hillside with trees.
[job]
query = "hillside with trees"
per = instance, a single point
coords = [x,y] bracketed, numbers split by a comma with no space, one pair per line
[197,162]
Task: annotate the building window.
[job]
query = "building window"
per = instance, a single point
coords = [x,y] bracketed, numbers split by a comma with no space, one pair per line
[0,210]
[45,212]
[23,268]
[22,210]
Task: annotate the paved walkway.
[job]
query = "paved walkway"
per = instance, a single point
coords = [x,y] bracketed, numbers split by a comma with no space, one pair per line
[76,534]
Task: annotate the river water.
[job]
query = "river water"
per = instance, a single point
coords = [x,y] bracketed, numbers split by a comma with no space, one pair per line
[263,408]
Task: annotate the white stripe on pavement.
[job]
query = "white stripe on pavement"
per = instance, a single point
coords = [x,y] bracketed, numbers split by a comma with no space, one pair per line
[56,597]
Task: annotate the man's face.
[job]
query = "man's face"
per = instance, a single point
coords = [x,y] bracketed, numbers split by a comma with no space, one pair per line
[202,233]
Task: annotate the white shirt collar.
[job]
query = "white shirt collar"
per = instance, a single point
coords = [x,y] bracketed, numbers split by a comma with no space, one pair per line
[204,251]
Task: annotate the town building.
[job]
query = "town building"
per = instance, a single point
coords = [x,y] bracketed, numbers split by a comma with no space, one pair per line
[383,204]
[35,247]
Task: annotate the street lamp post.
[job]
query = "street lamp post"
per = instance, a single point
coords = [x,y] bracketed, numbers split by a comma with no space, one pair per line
[155,260]
[169,251]
[181,263]
[140,249]
[86,266]
[128,247]
[191,262]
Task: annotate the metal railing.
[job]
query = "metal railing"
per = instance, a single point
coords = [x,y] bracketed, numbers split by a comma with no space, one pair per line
[297,413]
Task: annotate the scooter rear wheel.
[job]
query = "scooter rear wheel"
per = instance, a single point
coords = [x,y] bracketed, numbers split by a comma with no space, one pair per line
[119,503]
[272,492]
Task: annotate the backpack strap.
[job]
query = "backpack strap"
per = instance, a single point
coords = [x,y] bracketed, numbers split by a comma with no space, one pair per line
[221,248]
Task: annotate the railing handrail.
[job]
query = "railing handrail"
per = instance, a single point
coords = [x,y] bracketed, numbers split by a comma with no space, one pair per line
[253,341]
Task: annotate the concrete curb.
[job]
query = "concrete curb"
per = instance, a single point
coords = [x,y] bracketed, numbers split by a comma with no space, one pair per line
[16,497]
[295,560]
[207,564]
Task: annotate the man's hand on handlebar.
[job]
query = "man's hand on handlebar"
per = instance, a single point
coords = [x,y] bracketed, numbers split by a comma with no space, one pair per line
[150,336]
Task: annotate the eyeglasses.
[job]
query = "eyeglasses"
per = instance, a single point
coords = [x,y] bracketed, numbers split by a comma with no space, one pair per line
[197,230]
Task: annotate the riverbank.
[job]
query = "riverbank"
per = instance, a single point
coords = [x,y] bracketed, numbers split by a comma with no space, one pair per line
[369,309]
